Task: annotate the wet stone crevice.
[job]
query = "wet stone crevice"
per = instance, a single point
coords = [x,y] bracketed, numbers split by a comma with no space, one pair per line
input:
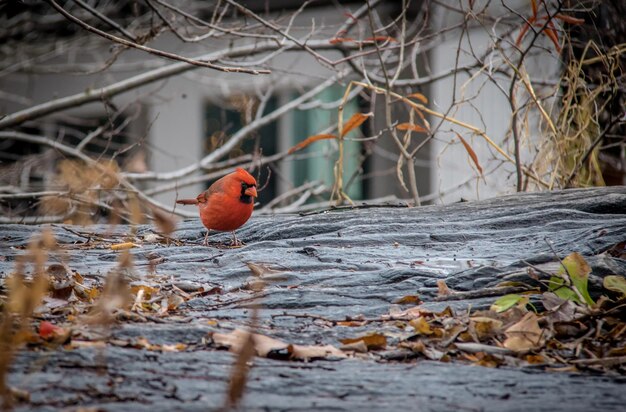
[336,264]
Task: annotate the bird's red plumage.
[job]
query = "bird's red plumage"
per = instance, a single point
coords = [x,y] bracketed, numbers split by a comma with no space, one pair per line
[227,204]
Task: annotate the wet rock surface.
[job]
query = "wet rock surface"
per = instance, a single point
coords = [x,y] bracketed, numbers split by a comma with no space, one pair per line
[332,265]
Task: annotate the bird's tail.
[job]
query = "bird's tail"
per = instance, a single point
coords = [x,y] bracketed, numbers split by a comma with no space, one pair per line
[187,201]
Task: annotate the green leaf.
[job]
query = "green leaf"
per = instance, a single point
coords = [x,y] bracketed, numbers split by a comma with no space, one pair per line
[506,302]
[578,272]
[616,284]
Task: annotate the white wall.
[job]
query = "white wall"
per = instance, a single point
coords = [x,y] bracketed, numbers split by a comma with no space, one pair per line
[486,107]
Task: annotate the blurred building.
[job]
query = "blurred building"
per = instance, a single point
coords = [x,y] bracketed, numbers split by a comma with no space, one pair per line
[177,121]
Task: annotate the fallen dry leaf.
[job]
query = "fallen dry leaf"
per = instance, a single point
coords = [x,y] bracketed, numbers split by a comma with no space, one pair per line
[421,326]
[373,341]
[442,288]
[525,335]
[485,327]
[274,348]
[414,299]
[123,246]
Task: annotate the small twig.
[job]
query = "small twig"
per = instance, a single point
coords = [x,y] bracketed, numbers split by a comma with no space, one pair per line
[567,277]
[106,19]
[150,50]
[483,293]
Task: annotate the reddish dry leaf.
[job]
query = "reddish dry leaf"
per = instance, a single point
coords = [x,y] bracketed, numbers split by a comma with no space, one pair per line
[373,342]
[550,31]
[47,330]
[355,121]
[412,127]
[381,38]
[420,97]
[310,140]
[471,153]
[533,5]
[338,40]
[535,359]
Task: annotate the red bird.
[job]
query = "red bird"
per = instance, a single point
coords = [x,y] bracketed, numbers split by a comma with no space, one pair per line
[227,204]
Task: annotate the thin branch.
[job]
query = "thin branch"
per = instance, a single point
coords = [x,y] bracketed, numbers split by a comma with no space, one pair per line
[139,80]
[150,50]
[106,19]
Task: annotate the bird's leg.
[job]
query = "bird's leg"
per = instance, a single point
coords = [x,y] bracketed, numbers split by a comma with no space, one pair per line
[206,238]
[235,240]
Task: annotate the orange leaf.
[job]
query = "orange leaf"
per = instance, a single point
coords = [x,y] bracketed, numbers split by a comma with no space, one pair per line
[381,38]
[338,40]
[310,140]
[552,35]
[355,121]
[569,19]
[123,246]
[420,97]
[412,127]
[471,153]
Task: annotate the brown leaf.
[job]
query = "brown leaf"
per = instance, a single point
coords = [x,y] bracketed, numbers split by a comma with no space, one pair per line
[442,288]
[351,323]
[358,346]
[525,335]
[485,327]
[239,373]
[374,341]
[413,299]
[471,153]
[355,121]
[310,140]
[165,222]
[412,127]
[262,270]
[421,326]
[274,348]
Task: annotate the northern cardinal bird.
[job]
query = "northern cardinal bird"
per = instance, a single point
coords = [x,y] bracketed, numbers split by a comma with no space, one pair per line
[227,204]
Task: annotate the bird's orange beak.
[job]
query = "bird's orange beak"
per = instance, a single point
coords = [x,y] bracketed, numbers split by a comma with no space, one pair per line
[251,191]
